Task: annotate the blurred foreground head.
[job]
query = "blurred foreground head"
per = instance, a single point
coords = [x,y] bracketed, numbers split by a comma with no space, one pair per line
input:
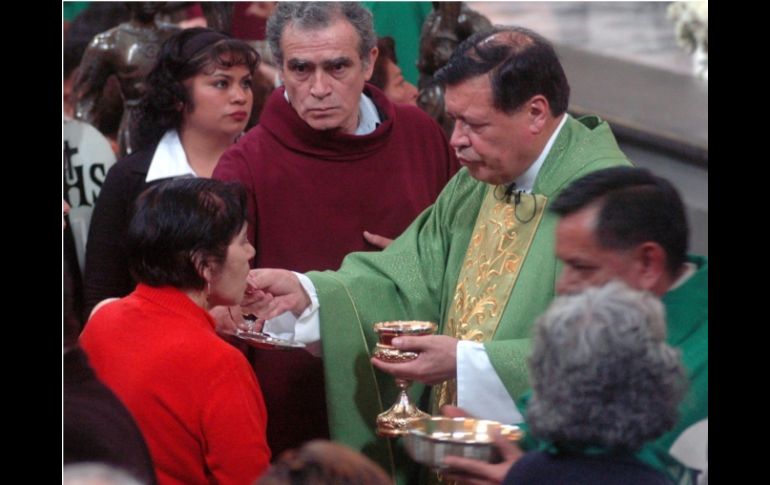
[95,474]
[321,462]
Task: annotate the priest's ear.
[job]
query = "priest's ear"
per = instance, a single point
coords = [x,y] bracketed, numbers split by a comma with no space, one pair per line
[538,111]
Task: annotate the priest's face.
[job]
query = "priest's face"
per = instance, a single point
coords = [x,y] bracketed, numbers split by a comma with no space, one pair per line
[324,74]
[586,262]
[496,147]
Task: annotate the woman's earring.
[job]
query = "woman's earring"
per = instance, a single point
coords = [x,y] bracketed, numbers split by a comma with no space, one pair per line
[208,290]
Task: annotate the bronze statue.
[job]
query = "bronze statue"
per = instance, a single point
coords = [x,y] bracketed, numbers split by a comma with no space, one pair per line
[446,26]
[127,52]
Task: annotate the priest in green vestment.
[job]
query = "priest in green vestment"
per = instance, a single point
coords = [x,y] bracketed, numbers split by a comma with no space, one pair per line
[480,262]
[628,224]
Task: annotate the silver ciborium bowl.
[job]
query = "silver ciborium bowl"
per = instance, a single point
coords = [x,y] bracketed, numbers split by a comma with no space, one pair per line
[430,440]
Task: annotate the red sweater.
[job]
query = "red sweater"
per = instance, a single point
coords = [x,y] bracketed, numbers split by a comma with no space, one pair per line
[313,193]
[311,196]
[194,397]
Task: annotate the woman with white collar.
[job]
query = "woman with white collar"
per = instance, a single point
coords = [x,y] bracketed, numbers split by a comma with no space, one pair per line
[198,100]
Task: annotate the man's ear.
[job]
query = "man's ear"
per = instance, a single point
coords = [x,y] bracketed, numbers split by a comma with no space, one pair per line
[539,110]
[650,263]
[369,69]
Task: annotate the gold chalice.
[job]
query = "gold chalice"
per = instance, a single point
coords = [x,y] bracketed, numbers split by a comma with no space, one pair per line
[395,421]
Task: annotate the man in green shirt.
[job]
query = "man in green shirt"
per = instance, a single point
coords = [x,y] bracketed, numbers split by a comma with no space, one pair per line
[480,261]
[629,224]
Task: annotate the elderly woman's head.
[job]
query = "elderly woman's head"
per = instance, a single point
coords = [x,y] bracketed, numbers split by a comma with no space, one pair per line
[602,373]
[190,233]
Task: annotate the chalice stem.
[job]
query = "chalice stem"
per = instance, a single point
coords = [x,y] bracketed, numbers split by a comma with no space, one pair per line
[396,420]
[403,402]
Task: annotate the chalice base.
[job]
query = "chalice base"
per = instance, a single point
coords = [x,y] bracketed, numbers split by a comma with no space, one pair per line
[396,421]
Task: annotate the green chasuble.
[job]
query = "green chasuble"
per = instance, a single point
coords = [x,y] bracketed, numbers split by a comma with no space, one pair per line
[415,278]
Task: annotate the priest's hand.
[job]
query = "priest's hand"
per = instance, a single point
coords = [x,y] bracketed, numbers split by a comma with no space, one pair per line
[476,472]
[275,291]
[436,363]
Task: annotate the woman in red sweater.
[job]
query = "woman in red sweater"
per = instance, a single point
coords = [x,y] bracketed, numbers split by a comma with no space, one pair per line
[194,397]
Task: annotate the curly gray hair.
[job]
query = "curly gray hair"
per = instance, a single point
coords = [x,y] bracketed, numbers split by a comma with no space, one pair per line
[317,15]
[601,370]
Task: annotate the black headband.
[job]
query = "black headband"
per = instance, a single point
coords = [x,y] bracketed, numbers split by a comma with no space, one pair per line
[201,41]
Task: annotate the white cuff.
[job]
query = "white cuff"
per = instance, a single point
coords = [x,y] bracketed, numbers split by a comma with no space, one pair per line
[306,328]
[479,389]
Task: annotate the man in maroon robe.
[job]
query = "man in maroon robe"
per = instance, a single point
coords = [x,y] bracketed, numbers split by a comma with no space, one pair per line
[333,167]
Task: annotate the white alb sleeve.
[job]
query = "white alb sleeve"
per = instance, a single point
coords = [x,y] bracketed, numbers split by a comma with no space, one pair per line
[479,389]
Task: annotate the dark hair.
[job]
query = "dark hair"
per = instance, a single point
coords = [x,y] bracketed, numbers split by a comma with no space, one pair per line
[321,462]
[317,15]
[521,64]
[185,54]
[635,206]
[179,225]
[387,50]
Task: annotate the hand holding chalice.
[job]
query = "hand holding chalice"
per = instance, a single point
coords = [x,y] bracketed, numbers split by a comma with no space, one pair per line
[395,421]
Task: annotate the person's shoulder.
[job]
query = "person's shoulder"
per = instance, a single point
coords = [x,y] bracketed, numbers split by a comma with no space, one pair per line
[124,171]
[464,180]
[106,40]
[588,126]
[543,467]
[592,138]
[463,190]
[248,148]
[416,124]
[255,134]
[414,116]
[137,162]
[528,468]
[222,358]
[701,262]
